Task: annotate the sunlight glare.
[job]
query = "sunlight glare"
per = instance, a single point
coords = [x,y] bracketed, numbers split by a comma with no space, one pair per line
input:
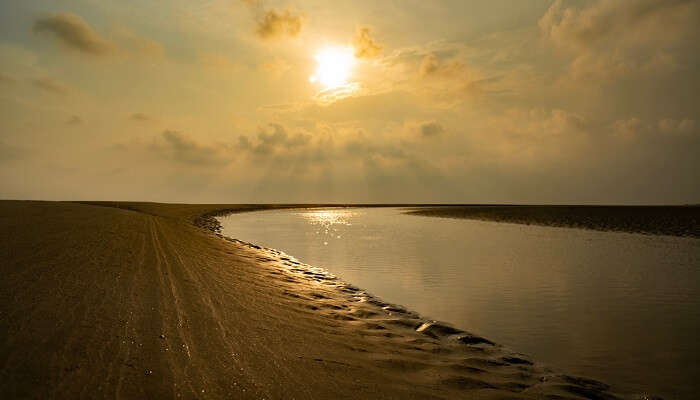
[334,67]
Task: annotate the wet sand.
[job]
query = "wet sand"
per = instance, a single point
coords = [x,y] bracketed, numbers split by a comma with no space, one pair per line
[144,300]
[658,220]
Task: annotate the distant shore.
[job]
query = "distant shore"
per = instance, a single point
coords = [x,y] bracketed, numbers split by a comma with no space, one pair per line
[657,220]
[143,300]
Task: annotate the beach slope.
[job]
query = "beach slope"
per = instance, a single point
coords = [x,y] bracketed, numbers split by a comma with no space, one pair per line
[139,300]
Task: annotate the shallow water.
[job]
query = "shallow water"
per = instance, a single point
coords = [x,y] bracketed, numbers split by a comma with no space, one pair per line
[622,308]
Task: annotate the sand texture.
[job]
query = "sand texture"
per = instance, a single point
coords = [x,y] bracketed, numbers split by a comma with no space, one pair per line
[131,301]
[658,220]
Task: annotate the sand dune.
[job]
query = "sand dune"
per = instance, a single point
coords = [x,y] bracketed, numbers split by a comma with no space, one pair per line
[140,300]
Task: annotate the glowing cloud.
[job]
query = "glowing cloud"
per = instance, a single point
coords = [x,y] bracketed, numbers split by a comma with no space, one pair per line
[365,45]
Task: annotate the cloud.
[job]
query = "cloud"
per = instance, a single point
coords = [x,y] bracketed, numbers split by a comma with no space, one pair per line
[274,24]
[244,143]
[448,76]
[73,32]
[553,122]
[386,106]
[365,46]
[74,120]
[532,136]
[611,39]
[632,22]
[429,65]
[138,45]
[140,117]
[279,24]
[634,128]
[628,128]
[275,136]
[443,61]
[327,152]
[51,86]
[444,74]
[512,141]
[361,148]
[180,148]
[431,129]
[432,66]
[675,126]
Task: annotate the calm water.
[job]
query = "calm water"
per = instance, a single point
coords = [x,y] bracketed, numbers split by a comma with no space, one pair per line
[623,308]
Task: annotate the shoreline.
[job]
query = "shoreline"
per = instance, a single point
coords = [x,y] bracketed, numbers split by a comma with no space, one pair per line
[446,337]
[147,300]
[679,221]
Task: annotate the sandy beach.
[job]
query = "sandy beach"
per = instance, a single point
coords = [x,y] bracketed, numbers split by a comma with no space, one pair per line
[145,300]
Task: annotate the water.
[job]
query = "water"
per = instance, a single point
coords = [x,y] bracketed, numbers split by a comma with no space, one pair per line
[622,308]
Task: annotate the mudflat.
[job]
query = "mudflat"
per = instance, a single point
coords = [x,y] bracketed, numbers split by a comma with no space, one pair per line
[658,220]
[144,300]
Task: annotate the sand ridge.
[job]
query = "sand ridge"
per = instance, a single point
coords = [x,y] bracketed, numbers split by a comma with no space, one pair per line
[138,301]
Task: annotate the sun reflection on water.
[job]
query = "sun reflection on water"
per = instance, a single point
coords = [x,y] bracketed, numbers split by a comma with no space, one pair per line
[329,221]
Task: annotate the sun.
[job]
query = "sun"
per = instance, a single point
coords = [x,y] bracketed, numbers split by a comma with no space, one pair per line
[334,67]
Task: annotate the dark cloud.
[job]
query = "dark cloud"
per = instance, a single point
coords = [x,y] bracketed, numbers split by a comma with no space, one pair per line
[177,148]
[274,24]
[51,86]
[365,46]
[674,126]
[276,136]
[620,21]
[431,129]
[184,150]
[74,120]
[140,117]
[363,149]
[618,39]
[279,24]
[429,65]
[244,143]
[73,32]
[273,134]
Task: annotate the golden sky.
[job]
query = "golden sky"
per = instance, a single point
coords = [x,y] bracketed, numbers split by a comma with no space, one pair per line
[351,101]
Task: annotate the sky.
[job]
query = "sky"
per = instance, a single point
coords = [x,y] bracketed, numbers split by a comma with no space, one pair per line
[411,101]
